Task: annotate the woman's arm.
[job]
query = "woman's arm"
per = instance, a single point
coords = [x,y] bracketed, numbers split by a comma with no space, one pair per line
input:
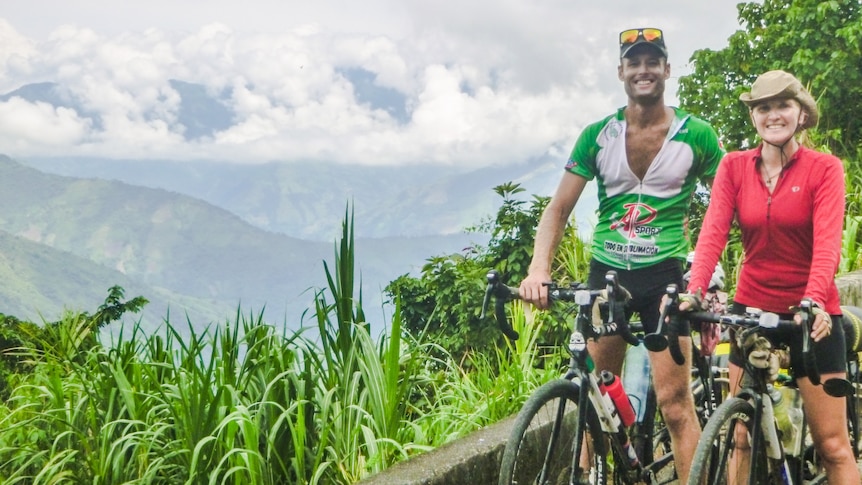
[716,226]
[827,228]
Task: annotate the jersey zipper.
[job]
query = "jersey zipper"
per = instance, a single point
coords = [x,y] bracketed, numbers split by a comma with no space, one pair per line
[676,125]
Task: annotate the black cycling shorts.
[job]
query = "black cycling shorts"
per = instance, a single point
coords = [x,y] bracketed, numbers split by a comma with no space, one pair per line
[646,285]
[830,352]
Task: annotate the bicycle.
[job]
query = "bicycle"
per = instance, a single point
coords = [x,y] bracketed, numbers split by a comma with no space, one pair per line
[547,438]
[750,414]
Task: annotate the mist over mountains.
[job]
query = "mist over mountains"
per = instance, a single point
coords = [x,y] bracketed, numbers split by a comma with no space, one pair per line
[202,238]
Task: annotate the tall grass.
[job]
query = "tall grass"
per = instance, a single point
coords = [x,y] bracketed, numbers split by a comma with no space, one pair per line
[242,403]
[851,256]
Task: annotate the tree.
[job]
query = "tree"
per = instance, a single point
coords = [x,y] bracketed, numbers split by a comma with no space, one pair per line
[817,41]
[443,304]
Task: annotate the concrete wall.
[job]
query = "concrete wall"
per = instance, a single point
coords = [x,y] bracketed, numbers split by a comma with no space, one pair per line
[475,459]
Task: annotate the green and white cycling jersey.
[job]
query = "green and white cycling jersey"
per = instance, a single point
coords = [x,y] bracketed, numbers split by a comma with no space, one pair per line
[644,222]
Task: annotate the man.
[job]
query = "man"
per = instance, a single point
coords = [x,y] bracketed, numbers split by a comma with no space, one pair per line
[647,158]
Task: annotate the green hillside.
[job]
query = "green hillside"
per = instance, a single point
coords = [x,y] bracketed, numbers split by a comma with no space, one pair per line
[39,283]
[175,250]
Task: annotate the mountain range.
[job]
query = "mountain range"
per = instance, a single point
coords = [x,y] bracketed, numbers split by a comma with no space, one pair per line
[202,239]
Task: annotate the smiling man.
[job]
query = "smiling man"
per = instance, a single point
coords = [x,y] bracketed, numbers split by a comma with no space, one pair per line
[647,159]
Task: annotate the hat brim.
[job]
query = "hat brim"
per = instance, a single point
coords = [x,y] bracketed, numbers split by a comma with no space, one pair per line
[805,100]
[625,51]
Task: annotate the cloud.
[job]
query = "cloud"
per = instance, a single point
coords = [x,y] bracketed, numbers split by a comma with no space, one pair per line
[475,83]
[39,128]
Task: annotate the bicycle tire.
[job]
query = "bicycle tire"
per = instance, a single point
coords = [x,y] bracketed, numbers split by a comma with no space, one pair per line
[853,411]
[643,433]
[712,455]
[537,433]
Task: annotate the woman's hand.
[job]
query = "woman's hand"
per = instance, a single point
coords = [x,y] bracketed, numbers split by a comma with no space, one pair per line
[690,302]
[822,325]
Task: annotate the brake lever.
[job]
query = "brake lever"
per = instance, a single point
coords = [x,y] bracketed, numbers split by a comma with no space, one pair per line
[503,294]
[613,288]
[808,357]
[493,278]
[657,341]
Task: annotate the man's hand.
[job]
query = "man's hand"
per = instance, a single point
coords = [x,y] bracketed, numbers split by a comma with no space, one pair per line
[822,325]
[533,289]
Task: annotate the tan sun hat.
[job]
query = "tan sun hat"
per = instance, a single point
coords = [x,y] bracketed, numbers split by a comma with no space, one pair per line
[780,84]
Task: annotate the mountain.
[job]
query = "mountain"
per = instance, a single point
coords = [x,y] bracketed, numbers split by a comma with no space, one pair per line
[182,250]
[307,200]
[38,282]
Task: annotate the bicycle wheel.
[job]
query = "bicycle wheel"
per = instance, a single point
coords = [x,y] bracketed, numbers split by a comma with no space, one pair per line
[717,452]
[540,449]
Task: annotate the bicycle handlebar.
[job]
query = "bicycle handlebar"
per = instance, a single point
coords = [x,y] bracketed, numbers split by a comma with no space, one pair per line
[767,320]
[577,293]
[502,294]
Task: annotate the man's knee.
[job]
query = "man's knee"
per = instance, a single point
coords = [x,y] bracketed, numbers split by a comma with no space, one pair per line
[835,450]
[675,394]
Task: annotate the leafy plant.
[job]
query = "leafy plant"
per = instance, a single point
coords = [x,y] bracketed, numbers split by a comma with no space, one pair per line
[443,304]
[817,41]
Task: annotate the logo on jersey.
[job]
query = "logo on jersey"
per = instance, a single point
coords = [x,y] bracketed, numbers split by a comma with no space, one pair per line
[635,219]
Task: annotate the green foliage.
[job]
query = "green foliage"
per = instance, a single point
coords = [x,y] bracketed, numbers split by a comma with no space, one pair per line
[818,41]
[239,403]
[443,304]
[16,337]
[513,231]
[70,337]
[114,307]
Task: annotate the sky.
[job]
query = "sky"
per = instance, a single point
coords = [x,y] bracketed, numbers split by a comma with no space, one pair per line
[475,83]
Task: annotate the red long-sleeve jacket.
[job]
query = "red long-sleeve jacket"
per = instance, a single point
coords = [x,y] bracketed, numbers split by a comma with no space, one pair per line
[791,238]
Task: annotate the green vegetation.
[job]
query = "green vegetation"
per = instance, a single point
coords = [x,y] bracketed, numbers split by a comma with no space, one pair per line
[442,305]
[239,403]
[88,400]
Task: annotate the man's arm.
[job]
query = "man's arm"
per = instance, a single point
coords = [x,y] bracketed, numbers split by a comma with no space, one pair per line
[548,236]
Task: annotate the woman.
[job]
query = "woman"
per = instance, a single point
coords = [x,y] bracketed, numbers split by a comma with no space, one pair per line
[789,203]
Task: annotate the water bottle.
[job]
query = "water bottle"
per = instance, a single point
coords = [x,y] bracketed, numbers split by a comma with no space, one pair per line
[618,395]
[780,407]
[636,378]
[617,403]
[613,414]
[792,406]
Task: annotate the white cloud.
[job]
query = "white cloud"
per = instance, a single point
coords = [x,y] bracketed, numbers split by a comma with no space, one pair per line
[485,82]
[39,128]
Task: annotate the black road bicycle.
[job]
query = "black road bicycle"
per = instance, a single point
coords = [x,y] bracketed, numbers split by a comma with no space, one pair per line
[548,436]
[750,415]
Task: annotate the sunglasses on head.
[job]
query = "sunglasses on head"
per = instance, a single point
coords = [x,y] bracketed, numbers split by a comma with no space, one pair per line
[631,36]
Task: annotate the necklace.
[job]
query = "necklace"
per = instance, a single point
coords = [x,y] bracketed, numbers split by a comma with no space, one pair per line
[770,179]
